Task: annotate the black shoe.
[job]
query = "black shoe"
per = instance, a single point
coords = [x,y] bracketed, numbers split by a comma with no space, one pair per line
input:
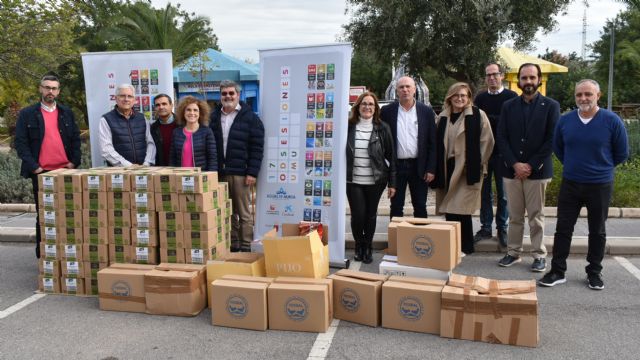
[552,278]
[509,260]
[38,251]
[358,252]
[539,265]
[502,238]
[367,258]
[595,281]
[481,235]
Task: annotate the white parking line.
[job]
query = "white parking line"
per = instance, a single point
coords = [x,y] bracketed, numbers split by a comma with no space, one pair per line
[629,266]
[10,310]
[323,342]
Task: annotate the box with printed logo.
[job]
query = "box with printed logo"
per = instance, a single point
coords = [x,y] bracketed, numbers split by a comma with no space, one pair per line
[412,304]
[119,218]
[228,209]
[70,201]
[143,201]
[70,252]
[389,266]
[90,286]
[49,182]
[299,307]
[144,254]
[174,256]
[49,284]
[94,180]
[94,200]
[91,268]
[95,253]
[175,289]
[433,246]
[70,181]
[50,201]
[201,256]
[239,304]
[72,286]
[142,180]
[72,269]
[195,239]
[119,254]
[118,200]
[70,218]
[144,219]
[392,232]
[200,221]
[223,190]
[70,236]
[357,296]
[196,203]
[95,218]
[118,180]
[170,239]
[302,280]
[48,217]
[119,236]
[167,202]
[169,220]
[250,264]
[49,235]
[196,183]
[49,251]
[144,237]
[95,235]
[121,287]
[49,268]
[164,182]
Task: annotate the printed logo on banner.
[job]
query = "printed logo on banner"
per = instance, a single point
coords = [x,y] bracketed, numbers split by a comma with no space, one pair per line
[317,215]
[237,306]
[307,214]
[288,210]
[273,209]
[281,194]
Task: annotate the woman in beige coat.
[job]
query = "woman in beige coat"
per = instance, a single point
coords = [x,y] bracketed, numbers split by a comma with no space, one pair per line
[464,143]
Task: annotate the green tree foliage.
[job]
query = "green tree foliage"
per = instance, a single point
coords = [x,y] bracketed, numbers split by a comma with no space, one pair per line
[561,86]
[367,70]
[455,38]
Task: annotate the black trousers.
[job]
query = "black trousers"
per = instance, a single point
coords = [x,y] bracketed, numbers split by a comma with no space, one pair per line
[363,201]
[466,231]
[407,174]
[571,198]
[34,183]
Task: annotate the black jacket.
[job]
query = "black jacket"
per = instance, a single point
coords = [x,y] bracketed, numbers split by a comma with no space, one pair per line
[426,134]
[245,144]
[30,132]
[204,148]
[381,152]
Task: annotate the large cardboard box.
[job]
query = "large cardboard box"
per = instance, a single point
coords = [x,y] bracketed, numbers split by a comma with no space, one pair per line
[95,218]
[119,236]
[296,255]
[121,288]
[72,286]
[94,181]
[239,304]
[118,200]
[389,266]
[298,307]
[49,268]
[170,239]
[70,181]
[393,229]
[412,304]
[119,254]
[144,237]
[49,251]
[119,218]
[200,221]
[238,263]
[49,182]
[144,254]
[118,181]
[310,281]
[71,252]
[176,289]
[196,183]
[91,269]
[94,200]
[195,239]
[72,269]
[431,246]
[95,235]
[493,311]
[49,284]
[174,256]
[201,256]
[197,203]
[169,220]
[167,202]
[70,201]
[357,296]
[95,253]
[143,201]
[143,219]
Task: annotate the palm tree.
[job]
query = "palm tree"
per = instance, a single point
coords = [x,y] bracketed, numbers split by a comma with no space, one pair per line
[143,27]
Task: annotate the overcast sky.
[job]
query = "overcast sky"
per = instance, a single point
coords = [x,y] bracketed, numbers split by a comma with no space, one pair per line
[244,26]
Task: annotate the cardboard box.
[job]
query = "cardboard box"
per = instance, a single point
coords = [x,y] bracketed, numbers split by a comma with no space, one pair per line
[70,201]
[143,201]
[70,252]
[143,219]
[49,268]
[118,200]
[49,235]
[169,220]
[49,284]
[94,200]
[175,289]
[196,202]
[48,182]
[170,239]
[239,304]
[119,218]
[194,239]
[389,266]
[309,281]
[164,182]
[412,304]
[48,217]
[493,311]
[223,190]
[118,181]
[72,286]
[197,183]
[95,253]
[70,181]
[431,246]
[70,218]
[295,255]
[201,256]
[298,307]
[249,264]
[395,221]
[144,255]
[95,218]
[200,221]
[357,296]
[72,269]
[119,254]
[70,236]
[174,256]
[90,286]
[119,236]
[49,201]
[142,181]
[95,235]
[227,211]
[167,202]
[94,181]
[392,238]
[49,251]
[121,288]
[91,269]
[144,237]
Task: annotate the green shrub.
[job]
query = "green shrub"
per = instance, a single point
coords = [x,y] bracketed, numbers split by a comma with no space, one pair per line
[13,188]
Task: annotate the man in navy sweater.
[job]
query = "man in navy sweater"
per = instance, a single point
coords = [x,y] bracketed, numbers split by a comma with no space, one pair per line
[590,142]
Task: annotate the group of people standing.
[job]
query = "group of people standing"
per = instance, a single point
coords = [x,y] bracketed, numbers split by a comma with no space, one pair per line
[499,135]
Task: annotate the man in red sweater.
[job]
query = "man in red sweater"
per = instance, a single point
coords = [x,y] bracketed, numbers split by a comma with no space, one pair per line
[162,128]
[47,138]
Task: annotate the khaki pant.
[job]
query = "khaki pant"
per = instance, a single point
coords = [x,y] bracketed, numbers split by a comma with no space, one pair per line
[526,195]
[241,219]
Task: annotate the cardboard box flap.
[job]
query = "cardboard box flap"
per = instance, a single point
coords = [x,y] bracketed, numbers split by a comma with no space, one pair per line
[181,267]
[301,280]
[132,266]
[492,287]
[263,279]
[240,284]
[171,282]
[298,287]
[417,281]
[361,275]
[241,257]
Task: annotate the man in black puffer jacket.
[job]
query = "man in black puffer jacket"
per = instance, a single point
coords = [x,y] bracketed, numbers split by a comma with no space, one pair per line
[239,136]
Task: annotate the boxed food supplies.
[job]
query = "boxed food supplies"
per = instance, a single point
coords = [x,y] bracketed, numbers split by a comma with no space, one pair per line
[357,296]
[143,201]
[118,200]
[70,181]
[238,263]
[223,190]
[432,246]
[296,255]
[239,304]
[170,239]
[49,268]
[197,203]
[118,218]
[70,218]
[176,256]
[196,183]
[49,284]
[144,237]
[72,269]
[201,256]
[91,286]
[72,286]
[118,181]
[175,289]
[310,281]
[95,218]
[94,200]
[91,269]
[94,181]
[412,304]
[164,182]
[70,236]
[393,229]
[299,307]
[121,287]
[167,202]
[389,266]
[71,252]
[144,255]
[49,217]
[200,221]
[119,236]
[49,201]
[143,219]
[119,254]
[70,201]
[49,235]
[194,239]
[142,181]
[49,182]
[169,220]
[95,235]
[493,311]
[49,251]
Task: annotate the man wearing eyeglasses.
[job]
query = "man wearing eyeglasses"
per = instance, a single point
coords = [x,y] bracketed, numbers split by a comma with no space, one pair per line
[239,136]
[47,138]
[490,102]
[162,128]
[124,134]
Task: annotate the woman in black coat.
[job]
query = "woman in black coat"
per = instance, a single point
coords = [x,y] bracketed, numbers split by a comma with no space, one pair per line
[193,143]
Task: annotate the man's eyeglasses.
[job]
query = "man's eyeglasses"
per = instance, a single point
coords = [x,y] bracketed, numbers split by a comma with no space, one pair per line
[49,88]
[494,75]
[230,93]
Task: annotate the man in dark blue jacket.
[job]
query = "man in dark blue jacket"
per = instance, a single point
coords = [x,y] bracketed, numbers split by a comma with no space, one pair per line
[414,136]
[47,138]
[239,136]
[525,134]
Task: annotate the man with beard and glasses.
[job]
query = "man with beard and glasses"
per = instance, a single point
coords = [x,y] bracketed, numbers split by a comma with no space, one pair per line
[525,135]
[239,134]
[47,138]
[590,142]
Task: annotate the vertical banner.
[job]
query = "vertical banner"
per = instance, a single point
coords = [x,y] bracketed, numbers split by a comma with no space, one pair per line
[304,105]
[150,72]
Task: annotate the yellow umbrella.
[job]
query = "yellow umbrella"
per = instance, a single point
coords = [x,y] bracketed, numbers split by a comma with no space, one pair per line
[512,60]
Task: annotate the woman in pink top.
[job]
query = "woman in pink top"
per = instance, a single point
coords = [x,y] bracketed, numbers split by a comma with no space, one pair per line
[193,143]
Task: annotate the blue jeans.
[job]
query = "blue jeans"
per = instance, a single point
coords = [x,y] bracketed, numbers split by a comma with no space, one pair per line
[486,205]
[408,174]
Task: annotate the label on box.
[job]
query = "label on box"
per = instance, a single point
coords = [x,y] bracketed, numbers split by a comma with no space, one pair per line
[142,236]
[50,251]
[72,268]
[70,252]
[141,200]
[47,183]
[93,182]
[141,182]
[47,284]
[117,182]
[47,200]
[72,285]
[48,267]
[142,254]
[197,256]
[49,217]
[142,219]
[188,183]
[50,234]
